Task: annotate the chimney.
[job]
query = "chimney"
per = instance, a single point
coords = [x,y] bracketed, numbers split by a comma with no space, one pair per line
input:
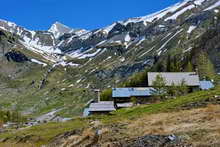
[99,95]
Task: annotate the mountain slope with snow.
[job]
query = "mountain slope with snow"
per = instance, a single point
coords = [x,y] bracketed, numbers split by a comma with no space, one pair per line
[60,39]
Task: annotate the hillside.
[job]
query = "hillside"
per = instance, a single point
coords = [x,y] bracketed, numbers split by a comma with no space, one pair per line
[193,119]
[59,68]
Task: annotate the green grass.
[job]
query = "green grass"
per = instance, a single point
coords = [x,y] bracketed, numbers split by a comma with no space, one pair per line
[48,131]
[165,106]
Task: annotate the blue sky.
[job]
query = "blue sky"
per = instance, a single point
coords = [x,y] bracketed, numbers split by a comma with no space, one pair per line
[87,14]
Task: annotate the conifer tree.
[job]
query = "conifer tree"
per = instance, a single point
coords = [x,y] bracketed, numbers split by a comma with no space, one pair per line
[159,86]
[205,66]
[189,67]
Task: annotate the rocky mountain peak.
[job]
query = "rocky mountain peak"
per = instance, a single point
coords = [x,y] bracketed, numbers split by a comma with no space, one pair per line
[59,29]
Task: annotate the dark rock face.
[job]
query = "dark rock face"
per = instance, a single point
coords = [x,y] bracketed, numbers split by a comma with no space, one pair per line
[124,70]
[16,56]
[6,42]
[117,29]
[157,141]
[197,19]
[45,38]
[2,33]
[78,43]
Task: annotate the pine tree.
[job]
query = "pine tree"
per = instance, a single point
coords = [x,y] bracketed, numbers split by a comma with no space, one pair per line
[189,67]
[177,65]
[205,66]
[159,87]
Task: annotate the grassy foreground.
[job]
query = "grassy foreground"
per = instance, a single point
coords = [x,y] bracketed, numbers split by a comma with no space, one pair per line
[43,134]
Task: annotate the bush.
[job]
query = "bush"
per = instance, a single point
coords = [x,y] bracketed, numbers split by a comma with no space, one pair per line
[134,100]
[106,95]
[12,116]
[178,90]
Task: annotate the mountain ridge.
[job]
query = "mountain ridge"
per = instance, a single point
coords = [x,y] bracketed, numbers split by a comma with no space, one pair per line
[79,38]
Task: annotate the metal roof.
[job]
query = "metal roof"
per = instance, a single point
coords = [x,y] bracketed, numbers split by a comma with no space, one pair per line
[190,78]
[102,106]
[205,85]
[129,92]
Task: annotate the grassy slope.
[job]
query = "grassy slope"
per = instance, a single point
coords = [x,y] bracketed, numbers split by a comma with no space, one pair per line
[21,95]
[123,115]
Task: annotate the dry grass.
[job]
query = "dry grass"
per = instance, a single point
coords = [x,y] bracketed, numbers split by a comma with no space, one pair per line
[88,132]
[210,108]
[184,122]
[16,145]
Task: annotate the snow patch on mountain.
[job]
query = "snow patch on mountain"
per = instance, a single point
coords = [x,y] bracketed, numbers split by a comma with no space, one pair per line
[85,35]
[217,4]
[127,38]
[140,40]
[191,28]
[178,13]
[86,54]
[11,27]
[33,44]
[79,32]
[64,64]
[89,55]
[147,51]
[160,49]
[38,62]
[199,2]
[216,11]
[109,28]
[157,15]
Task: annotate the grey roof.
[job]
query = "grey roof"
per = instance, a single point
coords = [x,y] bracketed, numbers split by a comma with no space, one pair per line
[102,106]
[205,85]
[190,78]
[129,92]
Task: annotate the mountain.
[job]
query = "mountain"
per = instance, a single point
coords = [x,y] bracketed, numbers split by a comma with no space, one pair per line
[74,42]
[59,29]
[60,67]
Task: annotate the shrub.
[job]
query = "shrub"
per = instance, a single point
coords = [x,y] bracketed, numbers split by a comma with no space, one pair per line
[134,100]
[106,95]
